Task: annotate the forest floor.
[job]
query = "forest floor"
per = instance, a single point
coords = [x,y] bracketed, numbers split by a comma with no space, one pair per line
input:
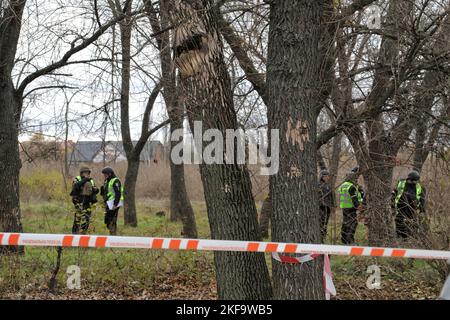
[157,274]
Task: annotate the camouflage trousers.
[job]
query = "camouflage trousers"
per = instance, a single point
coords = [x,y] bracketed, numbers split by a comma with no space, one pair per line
[81,218]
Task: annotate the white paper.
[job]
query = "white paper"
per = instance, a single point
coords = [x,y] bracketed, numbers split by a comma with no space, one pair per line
[110,204]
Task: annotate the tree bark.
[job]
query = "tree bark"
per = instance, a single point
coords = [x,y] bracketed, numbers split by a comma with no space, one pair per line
[10,164]
[130,217]
[293,73]
[228,192]
[335,158]
[180,205]
[265,217]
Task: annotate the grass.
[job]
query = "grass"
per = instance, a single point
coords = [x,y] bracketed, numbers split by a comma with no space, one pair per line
[126,273]
[131,268]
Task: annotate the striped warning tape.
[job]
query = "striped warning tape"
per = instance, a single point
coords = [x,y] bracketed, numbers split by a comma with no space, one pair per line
[330,289]
[57,240]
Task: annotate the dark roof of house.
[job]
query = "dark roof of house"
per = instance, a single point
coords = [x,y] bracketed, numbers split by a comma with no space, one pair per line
[86,151]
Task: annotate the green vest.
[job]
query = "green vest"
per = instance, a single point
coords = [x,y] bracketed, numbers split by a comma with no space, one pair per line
[401,187]
[345,198]
[110,194]
[78,179]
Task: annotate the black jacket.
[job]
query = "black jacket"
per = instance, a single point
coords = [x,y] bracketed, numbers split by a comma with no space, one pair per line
[408,199]
[354,195]
[326,195]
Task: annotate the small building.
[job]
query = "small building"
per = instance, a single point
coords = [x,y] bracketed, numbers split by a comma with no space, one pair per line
[113,152]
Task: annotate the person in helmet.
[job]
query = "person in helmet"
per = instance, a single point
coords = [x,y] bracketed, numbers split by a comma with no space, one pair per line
[409,203]
[84,195]
[326,201]
[112,192]
[351,201]
[355,170]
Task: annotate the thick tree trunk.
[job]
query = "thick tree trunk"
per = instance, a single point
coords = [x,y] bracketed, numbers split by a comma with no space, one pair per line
[293,91]
[180,205]
[379,210]
[10,164]
[228,192]
[130,217]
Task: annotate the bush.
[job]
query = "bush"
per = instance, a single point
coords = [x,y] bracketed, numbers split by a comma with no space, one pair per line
[43,185]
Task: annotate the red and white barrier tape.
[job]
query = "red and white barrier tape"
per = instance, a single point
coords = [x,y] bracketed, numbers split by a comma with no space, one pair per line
[97,241]
[330,289]
[312,250]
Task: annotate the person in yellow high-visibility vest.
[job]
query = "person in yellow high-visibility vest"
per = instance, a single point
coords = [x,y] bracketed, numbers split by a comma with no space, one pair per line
[408,200]
[351,201]
[112,192]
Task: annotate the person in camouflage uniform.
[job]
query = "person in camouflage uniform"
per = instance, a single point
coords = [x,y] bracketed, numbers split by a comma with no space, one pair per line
[83,196]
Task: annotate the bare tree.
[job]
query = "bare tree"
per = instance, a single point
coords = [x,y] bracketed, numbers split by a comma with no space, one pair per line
[12,100]
[293,94]
[10,23]
[208,97]
[180,205]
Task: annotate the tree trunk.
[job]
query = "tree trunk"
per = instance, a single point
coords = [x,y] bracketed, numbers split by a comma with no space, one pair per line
[10,164]
[293,72]
[379,209]
[265,217]
[180,206]
[228,191]
[130,217]
[335,158]
[419,154]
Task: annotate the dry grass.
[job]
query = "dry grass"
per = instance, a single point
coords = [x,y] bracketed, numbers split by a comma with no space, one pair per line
[153,180]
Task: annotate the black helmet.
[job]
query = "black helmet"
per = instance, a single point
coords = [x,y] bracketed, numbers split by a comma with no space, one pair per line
[355,170]
[108,170]
[84,169]
[323,173]
[414,176]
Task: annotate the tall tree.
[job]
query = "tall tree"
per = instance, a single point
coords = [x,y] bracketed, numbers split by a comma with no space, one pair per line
[399,60]
[293,88]
[10,24]
[11,101]
[228,192]
[180,205]
[132,149]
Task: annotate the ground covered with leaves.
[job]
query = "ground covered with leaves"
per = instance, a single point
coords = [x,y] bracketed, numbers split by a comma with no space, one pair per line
[145,274]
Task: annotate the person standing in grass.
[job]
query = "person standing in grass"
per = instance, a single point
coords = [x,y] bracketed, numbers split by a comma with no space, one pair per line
[409,203]
[351,201]
[112,192]
[326,201]
[84,195]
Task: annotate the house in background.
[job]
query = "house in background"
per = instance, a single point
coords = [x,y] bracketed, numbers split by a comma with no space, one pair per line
[112,152]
